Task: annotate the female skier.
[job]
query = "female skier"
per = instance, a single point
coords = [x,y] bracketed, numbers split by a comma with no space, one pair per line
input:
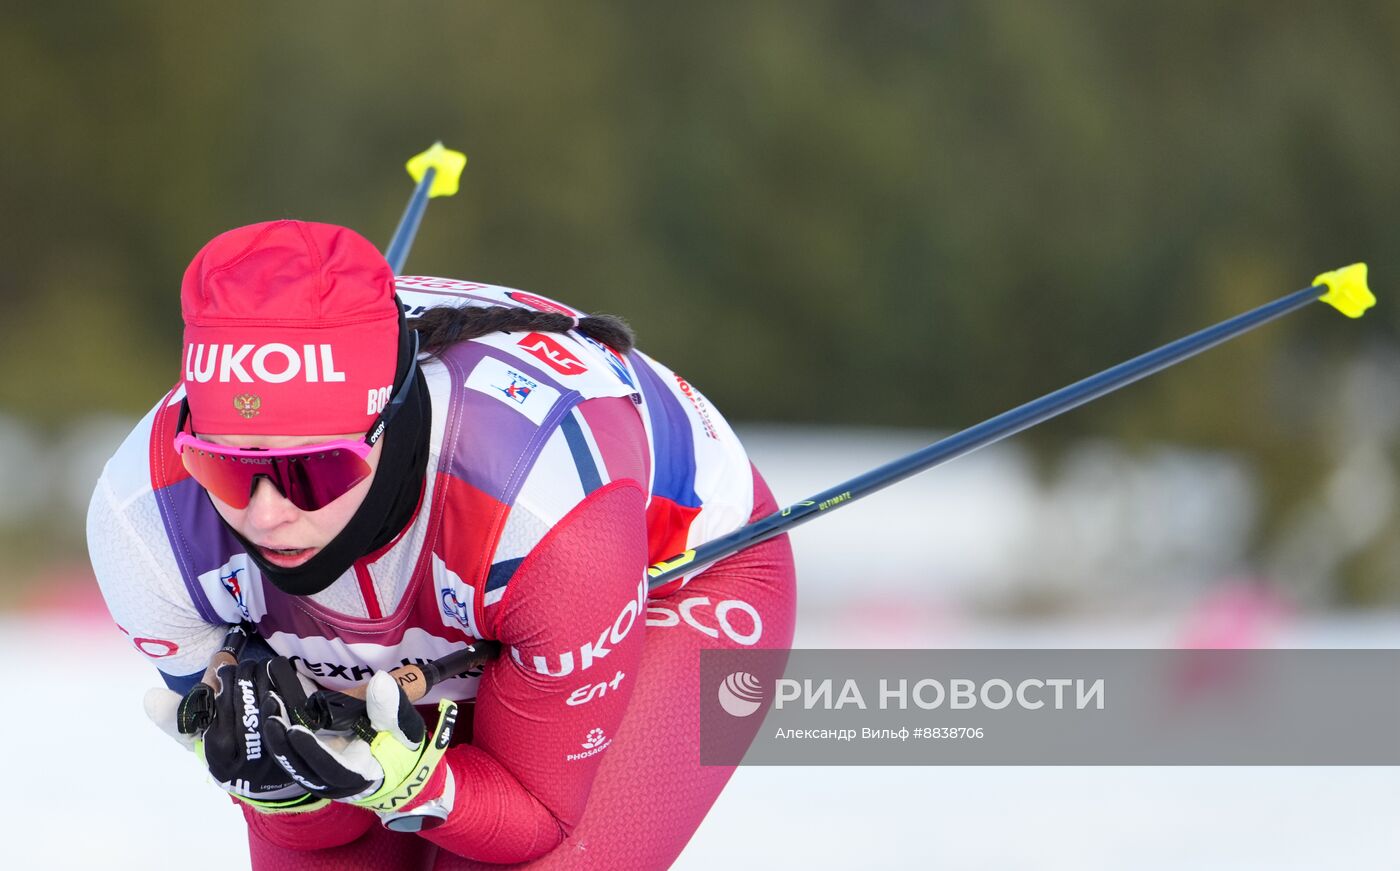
[368,478]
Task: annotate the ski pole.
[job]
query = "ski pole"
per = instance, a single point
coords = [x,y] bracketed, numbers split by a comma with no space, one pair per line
[196,710]
[437,171]
[345,709]
[1344,289]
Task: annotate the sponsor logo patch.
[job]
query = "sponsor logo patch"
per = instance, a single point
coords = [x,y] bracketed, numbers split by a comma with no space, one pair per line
[501,381]
[615,361]
[583,658]
[554,355]
[273,363]
[735,618]
[540,303]
[235,590]
[155,648]
[418,293]
[459,611]
[595,742]
[252,734]
[519,388]
[344,672]
[337,665]
[702,408]
[427,282]
[377,399]
[456,597]
[590,691]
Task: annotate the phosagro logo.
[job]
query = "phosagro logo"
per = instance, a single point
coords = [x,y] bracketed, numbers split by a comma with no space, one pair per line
[594,742]
[740,694]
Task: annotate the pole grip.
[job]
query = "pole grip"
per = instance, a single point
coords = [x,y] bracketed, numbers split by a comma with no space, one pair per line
[417,680]
[234,642]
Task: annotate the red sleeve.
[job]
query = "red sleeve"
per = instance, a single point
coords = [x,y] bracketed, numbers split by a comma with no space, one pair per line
[571,624]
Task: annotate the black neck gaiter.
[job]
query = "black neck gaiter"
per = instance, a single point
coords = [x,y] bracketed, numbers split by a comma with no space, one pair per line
[388,507]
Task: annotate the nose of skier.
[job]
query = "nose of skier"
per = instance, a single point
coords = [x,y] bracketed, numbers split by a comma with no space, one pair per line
[268,509]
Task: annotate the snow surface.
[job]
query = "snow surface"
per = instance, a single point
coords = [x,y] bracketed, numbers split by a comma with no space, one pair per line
[92,784]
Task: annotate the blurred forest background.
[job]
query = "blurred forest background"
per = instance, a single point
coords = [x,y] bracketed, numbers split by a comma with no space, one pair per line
[906,215]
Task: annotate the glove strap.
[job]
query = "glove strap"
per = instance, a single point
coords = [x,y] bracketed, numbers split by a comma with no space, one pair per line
[300,805]
[407,771]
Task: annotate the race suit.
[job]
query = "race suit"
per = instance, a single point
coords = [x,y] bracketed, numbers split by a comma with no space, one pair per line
[558,470]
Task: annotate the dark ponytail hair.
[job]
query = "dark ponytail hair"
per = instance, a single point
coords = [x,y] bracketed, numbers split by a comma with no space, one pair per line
[442,327]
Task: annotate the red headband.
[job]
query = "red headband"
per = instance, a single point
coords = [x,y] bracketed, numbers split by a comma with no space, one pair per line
[291,328]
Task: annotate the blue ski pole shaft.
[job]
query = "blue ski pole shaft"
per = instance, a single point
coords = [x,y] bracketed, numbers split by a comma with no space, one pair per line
[978,436]
[399,246]
[1345,289]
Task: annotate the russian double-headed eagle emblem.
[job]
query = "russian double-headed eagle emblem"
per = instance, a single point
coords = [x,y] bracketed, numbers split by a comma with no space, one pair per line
[247,404]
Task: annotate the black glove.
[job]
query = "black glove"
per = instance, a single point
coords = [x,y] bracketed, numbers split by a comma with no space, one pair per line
[227,725]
